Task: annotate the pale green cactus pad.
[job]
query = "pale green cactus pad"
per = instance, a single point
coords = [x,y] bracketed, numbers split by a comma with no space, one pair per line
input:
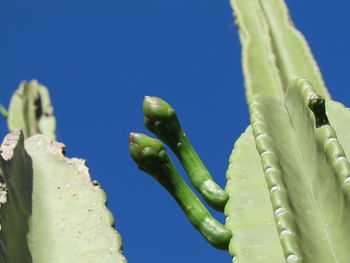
[273,51]
[289,176]
[339,117]
[52,212]
[30,109]
[289,187]
[249,210]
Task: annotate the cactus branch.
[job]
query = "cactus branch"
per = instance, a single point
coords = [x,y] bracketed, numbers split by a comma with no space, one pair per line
[30,109]
[151,157]
[160,118]
[50,210]
[273,50]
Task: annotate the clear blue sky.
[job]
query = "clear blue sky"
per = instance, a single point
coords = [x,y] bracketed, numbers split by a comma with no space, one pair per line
[99,58]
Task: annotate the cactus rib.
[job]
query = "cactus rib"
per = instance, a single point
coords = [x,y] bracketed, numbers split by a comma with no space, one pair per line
[293,55]
[249,211]
[160,118]
[300,135]
[151,157]
[278,145]
[280,201]
[337,141]
[273,50]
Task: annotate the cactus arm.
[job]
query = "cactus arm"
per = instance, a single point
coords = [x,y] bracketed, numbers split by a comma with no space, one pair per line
[249,211]
[46,121]
[69,217]
[292,52]
[30,110]
[304,166]
[161,119]
[151,157]
[273,50]
[258,60]
[53,212]
[290,145]
[3,111]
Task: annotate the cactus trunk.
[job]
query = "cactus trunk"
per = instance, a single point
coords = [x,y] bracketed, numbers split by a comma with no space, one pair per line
[292,204]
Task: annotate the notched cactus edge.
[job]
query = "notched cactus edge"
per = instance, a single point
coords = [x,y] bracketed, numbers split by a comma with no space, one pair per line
[50,211]
[63,213]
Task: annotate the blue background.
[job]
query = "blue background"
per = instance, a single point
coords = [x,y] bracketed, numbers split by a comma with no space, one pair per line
[99,58]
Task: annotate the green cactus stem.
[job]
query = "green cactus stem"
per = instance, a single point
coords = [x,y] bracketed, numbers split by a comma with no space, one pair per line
[50,210]
[30,109]
[160,118]
[292,204]
[306,181]
[151,157]
[249,213]
[3,111]
[273,50]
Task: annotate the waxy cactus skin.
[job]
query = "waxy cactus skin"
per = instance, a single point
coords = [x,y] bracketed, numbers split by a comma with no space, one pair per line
[160,118]
[289,176]
[50,210]
[150,156]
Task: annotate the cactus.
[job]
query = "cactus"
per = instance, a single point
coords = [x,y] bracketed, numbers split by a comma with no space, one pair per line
[160,118]
[287,191]
[288,177]
[151,157]
[50,210]
[30,109]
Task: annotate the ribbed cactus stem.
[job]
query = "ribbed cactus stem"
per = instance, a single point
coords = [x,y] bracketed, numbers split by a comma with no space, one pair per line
[50,210]
[305,167]
[30,110]
[160,118]
[151,157]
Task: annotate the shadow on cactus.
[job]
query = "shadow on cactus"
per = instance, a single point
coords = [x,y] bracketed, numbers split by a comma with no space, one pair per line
[288,181]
